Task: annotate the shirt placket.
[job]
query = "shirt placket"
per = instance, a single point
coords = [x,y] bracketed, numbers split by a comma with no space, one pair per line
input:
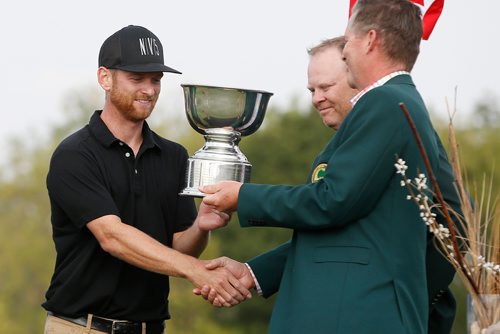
[133,163]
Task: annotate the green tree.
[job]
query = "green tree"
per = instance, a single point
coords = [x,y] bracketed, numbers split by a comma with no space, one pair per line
[28,255]
[281,153]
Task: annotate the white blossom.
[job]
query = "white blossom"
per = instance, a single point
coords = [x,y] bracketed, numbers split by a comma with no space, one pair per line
[421,182]
[400,167]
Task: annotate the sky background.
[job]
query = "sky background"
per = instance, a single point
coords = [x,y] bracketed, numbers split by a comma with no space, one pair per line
[50,48]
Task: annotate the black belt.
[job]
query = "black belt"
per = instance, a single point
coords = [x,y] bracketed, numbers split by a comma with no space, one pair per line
[116,326]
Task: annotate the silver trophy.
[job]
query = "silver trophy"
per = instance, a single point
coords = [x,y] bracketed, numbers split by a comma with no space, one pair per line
[222,115]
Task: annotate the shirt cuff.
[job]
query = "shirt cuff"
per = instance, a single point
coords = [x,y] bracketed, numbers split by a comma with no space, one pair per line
[257,285]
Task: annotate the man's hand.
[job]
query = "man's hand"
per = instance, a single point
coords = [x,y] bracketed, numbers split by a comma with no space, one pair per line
[493,329]
[210,218]
[222,196]
[238,269]
[194,240]
[224,286]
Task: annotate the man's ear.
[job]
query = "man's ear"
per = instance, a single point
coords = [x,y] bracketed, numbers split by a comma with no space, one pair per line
[105,78]
[372,38]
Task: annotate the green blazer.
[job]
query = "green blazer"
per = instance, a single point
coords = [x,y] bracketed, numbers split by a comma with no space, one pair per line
[440,273]
[357,260]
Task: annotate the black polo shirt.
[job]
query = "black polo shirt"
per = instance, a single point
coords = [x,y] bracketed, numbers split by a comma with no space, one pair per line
[93,174]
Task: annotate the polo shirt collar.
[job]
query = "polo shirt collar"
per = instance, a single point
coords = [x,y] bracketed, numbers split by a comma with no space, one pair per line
[106,138]
[148,140]
[376,84]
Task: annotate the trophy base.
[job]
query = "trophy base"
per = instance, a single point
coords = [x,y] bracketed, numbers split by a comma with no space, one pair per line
[192,192]
[201,172]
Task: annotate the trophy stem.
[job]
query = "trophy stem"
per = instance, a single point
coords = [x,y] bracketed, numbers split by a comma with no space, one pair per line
[218,160]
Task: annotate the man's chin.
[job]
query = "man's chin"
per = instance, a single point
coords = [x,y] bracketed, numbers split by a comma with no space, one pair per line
[331,124]
[352,84]
[139,115]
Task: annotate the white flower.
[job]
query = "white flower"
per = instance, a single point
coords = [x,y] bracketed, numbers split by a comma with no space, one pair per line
[445,232]
[421,182]
[488,266]
[400,167]
[440,231]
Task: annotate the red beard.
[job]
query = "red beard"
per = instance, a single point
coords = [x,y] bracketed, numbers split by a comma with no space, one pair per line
[129,106]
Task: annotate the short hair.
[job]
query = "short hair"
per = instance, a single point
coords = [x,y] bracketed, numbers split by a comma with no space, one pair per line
[335,42]
[399,24]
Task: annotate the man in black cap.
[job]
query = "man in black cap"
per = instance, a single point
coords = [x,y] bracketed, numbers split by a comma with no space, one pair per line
[119,227]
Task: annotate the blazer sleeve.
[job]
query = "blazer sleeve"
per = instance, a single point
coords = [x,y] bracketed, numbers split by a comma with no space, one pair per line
[268,268]
[358,172]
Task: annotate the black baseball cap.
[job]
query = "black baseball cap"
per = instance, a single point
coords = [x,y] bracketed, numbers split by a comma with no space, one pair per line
[133,49]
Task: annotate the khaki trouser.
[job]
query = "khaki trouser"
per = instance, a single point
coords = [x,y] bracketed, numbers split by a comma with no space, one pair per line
[55,325]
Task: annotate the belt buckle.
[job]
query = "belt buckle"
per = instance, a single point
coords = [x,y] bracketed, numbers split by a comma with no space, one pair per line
[115,322]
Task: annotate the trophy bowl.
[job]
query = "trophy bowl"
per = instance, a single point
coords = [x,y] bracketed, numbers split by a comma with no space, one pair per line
[223,115]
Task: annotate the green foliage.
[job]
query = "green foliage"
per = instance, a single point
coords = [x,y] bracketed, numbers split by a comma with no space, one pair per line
[487,112]
[281,152]
[27,255]
[478,142]
[460,294]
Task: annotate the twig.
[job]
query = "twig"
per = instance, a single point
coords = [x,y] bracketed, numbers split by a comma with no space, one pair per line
[438,194]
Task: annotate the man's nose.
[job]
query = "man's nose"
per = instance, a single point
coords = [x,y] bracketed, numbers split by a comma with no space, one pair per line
[317,97]
[149,88]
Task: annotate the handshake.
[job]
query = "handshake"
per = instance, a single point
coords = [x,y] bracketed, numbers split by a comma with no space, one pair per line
[225,282]
[232,286]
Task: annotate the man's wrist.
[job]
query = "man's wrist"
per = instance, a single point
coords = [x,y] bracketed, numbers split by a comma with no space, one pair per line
[257,285]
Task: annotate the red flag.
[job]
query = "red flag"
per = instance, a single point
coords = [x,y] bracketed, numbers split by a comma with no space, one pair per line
[429,20]
[351,4]
[431,16]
